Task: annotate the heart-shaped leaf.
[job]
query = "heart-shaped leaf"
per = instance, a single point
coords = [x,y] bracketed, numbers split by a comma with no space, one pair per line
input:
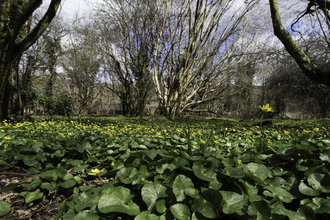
[68,184]
[204,207]
[118,199]
[85,200]
[180,211]
[146,215]
[235,172]
[128,174]
[281,193]
[233,203]
[206,174]
[49,175]
[306,190]
[31,196]
[86,215]
[5,208]
[183,186]
[261,209]
[151,192]
[160,206]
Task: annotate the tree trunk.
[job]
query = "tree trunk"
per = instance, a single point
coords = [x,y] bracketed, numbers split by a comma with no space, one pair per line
[4,86]
[13,16]
[295,51]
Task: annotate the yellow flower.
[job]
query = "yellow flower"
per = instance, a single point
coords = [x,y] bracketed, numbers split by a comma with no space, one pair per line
[217,142]
[203,142]
[248,132]
[35,141]
[69,134]
[158,134]
[239,161]
[286,132]
[3,131]
[316,129]
[8,138]
[95,172]
[266,108]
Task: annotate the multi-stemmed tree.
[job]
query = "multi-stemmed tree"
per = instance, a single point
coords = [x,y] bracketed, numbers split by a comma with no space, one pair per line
[127,32]
[195,51]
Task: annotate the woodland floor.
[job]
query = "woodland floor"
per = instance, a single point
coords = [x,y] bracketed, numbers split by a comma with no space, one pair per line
[41,209]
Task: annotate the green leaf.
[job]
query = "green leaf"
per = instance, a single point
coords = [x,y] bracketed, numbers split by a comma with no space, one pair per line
[320,205]
[32,170]
[18,142]
[285,196]
[30,160]
[306,146]
[315,180]
[206,174]
[301,167]
[78,179]
[204,207]
[50,175]
[233,203]
[10,187]
[84,146]
[85,200]
[47,185]
[293,215]
[69,214]
[160,206]
[151,192]
[180,161]
[118,199]
[307,212]
[146,215]
[127,175]
[252,192]
[84,215]
[68,184]
[5,208]
[86,188]
[31,196]
[38,146]
[33,184]
[58,153]
[261,209]
[180,211]
[68,176]
[258,170]
[234,172]
[61,171]
[306,190]
[183,186]
[61,209]
[286,152]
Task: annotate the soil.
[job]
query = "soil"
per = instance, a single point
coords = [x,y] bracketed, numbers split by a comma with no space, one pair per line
[41,209]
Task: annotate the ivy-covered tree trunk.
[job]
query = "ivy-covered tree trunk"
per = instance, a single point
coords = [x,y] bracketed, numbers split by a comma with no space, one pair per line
[13,16]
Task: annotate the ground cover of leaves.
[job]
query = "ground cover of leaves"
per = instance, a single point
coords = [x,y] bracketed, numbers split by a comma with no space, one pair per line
[39,209]
[43,208]
[29,150]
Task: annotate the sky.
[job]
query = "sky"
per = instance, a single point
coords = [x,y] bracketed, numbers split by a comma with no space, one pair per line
[72,8]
